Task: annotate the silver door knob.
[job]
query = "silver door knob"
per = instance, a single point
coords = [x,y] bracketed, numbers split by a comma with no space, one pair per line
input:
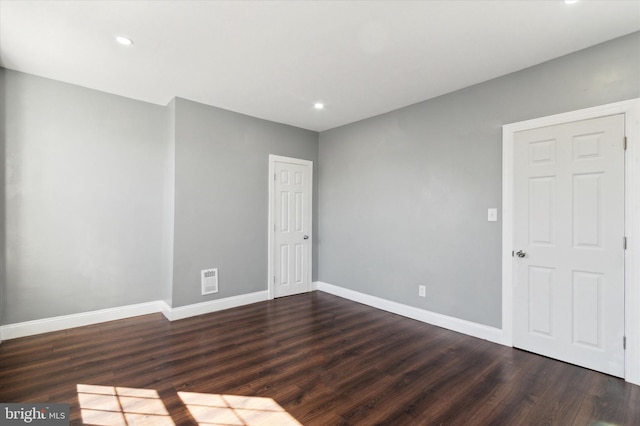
[520,253]
[306,237]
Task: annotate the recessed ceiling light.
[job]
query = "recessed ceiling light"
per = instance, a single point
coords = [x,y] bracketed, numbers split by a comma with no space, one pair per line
[570,1]
[125,41]
[318,105]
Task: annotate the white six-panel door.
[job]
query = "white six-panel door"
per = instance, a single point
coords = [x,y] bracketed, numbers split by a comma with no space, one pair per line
[568,239]
[291,249]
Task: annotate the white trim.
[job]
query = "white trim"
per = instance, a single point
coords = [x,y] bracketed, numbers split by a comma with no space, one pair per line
[507,236]
[215,305]
[273,159]
[165,308]
[631,109]
[46,325]
[469,328]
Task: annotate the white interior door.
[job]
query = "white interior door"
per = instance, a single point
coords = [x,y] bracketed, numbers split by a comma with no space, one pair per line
[292,239]
[569,242]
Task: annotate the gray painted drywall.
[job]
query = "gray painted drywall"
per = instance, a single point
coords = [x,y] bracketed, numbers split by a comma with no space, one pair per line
[221,196]
[84,199]
[93,182]
[404,196]
[168,211]
[2,198]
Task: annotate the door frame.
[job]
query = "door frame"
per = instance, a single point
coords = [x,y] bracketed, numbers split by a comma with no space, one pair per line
[273,159]
[631,111]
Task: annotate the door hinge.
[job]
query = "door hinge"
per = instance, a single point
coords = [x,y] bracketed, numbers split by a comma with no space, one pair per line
[624,243]
[625,143]
[624,342]
[274,279]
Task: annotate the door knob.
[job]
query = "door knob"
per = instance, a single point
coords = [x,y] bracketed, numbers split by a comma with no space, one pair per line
[306,237]
[520,253]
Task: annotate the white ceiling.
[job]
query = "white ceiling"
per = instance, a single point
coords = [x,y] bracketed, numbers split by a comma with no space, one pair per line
[274,59]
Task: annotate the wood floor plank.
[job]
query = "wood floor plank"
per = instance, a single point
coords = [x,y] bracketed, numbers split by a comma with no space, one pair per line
[322,359]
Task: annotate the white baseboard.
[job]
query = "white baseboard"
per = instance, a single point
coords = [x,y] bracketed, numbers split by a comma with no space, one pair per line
[30,328]
[215,305]
[469,328]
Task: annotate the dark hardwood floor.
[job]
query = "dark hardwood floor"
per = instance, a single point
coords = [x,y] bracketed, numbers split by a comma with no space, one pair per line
[312,359]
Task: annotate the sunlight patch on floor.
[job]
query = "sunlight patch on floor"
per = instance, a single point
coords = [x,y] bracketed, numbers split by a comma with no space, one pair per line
[214,410]
[121,406]
[111,406]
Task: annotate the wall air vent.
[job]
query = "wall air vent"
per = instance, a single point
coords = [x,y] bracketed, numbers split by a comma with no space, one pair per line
[209,281]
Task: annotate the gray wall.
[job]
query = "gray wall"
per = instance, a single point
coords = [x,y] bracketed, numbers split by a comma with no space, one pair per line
[221,196]
[84,191]
[2,197]
[168,211]
[404,196]
[111,201]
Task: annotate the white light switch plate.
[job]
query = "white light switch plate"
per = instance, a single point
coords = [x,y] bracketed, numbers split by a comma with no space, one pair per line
[492,215]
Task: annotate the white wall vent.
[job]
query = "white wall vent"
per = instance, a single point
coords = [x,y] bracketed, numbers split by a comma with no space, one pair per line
[209,281]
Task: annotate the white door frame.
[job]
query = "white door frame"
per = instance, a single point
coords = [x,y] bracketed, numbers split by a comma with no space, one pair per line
[631,110]
[273,159]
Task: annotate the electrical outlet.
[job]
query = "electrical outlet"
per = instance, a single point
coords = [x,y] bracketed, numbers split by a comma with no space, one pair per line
[422,291]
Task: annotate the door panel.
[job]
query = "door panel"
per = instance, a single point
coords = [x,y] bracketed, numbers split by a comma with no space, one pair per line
[292,224]
[540,321]
[541,191]
[569,222]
